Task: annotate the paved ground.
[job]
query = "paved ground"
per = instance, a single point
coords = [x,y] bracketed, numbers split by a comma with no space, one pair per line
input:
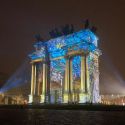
[60,117]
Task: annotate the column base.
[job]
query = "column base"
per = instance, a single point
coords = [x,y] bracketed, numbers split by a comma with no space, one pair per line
[30,99]
[83,98]
[71,97]
[47,99]
[65,98]
[34,99]
[42,98]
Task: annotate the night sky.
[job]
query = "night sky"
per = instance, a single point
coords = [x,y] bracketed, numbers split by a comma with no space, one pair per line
[20,20]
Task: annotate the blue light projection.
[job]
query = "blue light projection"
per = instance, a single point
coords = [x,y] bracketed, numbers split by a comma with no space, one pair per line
[76,63]
[20,77]
[84,39]
[56,74]
[58,47]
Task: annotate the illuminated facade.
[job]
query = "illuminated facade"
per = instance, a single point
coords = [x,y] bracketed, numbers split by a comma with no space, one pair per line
[66,69]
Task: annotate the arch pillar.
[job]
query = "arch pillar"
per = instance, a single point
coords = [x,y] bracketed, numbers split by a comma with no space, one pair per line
[68,86]
[43,95]
[33,83]
[84,86]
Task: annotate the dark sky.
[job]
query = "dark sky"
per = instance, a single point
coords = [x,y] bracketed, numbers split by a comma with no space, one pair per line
[21,19]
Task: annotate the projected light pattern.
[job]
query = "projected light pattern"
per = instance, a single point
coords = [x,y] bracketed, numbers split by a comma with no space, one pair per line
[57,68]
[39,72]
[94,77]
[64,56]
[57,47]
[76,67]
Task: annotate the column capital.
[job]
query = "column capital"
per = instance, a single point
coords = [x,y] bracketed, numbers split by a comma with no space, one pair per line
[37,60]
[69,57]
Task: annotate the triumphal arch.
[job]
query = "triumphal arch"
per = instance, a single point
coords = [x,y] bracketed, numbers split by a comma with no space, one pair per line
[66,69]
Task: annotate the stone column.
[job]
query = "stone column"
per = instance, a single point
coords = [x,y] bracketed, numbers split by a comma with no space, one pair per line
[39,80]
[87,77]
[87,81]
[66,85]
[38,89]
[82,94]
[83,64]
[95,94]
[32,85]
[71,77]
[47,98]
[43,84]
[35,80]
[70,81]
